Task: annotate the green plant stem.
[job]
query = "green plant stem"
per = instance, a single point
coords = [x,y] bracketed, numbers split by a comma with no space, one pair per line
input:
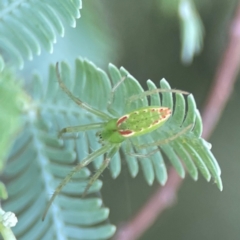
[7,233]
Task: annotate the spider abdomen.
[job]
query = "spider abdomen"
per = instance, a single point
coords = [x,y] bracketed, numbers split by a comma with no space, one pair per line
[142,121]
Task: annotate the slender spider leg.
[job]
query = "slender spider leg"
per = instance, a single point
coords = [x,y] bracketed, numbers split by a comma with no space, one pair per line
[80,128]
[128,144]
[110,101]
[96,175]
[77,100]
[167,140]
[144,155]
[76,169]
[102,168]
[150,92]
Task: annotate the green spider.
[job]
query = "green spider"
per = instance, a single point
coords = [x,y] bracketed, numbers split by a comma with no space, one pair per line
[114,131]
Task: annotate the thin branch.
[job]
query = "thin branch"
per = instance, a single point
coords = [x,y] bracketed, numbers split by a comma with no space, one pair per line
[216,101]
[224,80]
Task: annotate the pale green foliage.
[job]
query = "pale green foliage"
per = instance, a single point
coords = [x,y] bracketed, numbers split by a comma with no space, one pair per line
[38,160]
[192,31]
[189,147]
[3,191]
[27,26]
[12,100]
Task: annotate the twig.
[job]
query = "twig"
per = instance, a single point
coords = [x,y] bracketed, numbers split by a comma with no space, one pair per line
[224,80]
[216,101]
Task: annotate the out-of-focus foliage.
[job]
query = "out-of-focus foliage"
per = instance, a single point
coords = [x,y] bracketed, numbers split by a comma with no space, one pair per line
[191,26]
[192,31]
[38,155]
[150,49]
[13,102]
[23,32]
[94,37]
[3,191]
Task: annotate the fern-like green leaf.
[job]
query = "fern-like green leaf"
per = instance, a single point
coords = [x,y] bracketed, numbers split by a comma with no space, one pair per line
[189,147]
[27,26]
[39,161]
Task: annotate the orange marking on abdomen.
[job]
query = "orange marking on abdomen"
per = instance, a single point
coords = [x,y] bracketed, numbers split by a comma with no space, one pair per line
[122,119]
[125,133]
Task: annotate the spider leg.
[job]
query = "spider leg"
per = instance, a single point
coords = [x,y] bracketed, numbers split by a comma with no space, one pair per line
[167,140]
[153,91]
[96,175]
[77,100]
[76,169]
[80,128]
[139,155]
[146,155]
[102,168]
[110,102]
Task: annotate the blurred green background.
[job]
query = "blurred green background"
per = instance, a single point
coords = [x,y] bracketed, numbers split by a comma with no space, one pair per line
[144,37]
